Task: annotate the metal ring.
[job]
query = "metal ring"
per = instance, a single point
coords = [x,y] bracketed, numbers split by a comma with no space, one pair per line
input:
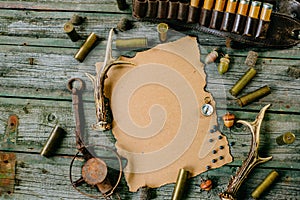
[71,81]
[115,186]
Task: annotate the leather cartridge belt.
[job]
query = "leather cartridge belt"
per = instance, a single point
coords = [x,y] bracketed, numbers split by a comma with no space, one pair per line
[263,24]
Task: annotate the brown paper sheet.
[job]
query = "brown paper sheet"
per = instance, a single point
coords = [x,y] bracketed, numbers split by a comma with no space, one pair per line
[157,123]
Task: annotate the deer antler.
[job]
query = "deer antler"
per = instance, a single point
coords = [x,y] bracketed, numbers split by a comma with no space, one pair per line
[252,160]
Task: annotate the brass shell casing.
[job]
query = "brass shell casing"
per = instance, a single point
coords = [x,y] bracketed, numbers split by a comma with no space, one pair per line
[286,138]
[132,43]
[71,32]
[243,7]
[53,140]
[231,6]
[243,81]
[254,9]
[265,184]
[266,12]
[195,3]
[257,94]
[180,184]
[86,47]
[162,30]
[208,4]
[220,4]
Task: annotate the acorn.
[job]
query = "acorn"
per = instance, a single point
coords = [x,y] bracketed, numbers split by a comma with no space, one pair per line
[212,56]
[228,119]
[206,184]
[224,64]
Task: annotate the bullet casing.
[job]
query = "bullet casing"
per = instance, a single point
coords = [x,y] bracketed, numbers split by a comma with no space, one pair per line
[86,47]
[265,184]
[71,32]
[180,184]
[53,141]
[243,81]
[132,43]
[286,138]
[257,94]
[162,30]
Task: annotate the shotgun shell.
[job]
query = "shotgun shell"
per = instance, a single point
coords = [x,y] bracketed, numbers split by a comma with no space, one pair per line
[251,58]
[264,21]
[86,47]
[254,9]
[257,94]
[252,20]
[71,32]
[53,141]
[241,16]
[162,30]
[242,82]
[180,184]
[132,43]
[286,138]
[265,184]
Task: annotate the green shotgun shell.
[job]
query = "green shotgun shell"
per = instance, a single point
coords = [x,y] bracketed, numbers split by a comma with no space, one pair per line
[265,184]
[53,141]
[243,81]
[257,94]
[180,184]
[132,43]
[286,138]
[71,32]
[86,47]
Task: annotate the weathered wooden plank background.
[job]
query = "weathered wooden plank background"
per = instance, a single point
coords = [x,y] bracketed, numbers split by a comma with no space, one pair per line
[37,91]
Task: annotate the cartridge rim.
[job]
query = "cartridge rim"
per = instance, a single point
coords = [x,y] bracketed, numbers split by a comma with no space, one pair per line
[288,138]
[255,3]
[244,1]
[267,6]
[162,27]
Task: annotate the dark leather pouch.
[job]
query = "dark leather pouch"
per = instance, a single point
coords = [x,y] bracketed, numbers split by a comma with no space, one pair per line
[205,17]
[262,29]
[282,31]
[239,24]
[216,19]
[183,9]
[193,15]
[152,8]
[173,9]
[140,8]
[162,10]
[228,21]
